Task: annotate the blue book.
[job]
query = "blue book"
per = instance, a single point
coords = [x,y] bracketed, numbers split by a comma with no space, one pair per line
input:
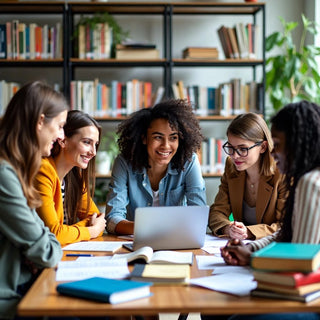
[285,256]
[3,41]
[106,290]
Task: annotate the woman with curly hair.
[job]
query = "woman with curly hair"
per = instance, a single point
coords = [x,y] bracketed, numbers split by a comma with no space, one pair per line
[296,135]
[157,165]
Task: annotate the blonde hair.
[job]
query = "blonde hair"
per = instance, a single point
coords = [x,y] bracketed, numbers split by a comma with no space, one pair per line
[251,126]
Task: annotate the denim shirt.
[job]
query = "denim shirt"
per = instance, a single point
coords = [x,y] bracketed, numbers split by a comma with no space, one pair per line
[130,189]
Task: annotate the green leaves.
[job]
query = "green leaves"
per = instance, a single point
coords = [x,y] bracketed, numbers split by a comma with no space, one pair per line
[104,17]
[293,74]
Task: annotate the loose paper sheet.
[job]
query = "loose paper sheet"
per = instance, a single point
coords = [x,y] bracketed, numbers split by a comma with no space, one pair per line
[108,246]
[88,267]
[239,284]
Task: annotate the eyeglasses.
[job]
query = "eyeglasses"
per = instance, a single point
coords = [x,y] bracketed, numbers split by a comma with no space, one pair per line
[242,151]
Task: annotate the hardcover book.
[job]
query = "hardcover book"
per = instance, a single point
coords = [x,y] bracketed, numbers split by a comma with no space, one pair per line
[284,256]
[137,54]
[308,288]
[276,295]
[293,279]
[106,290]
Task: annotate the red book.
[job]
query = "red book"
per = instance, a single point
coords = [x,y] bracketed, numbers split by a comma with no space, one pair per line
[147,94]
[38,41]
[119,99]
[294,279]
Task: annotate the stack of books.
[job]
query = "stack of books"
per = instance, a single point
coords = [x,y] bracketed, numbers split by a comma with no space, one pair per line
[240,41]
[137,51]
[200,53]
[287,271]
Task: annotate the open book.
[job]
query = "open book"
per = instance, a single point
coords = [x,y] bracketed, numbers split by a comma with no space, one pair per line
[147,255]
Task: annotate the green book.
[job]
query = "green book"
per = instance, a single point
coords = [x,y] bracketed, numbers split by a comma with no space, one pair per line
[284,256]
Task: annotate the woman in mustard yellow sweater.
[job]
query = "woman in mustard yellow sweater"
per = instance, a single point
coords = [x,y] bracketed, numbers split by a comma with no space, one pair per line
[64,181]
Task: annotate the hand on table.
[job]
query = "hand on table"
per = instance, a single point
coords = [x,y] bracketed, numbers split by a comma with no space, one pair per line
[97,225]
[236,253]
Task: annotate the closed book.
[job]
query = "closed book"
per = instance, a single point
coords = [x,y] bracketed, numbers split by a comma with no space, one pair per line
[234,43]
[276,295]
[106,290]
[284,256]
[9,39]
[200,53]
[137,54]
[294,279]
[135,45]
[288,289]
[161,273]
[3,41]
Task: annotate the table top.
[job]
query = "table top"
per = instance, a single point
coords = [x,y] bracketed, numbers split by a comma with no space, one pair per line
[43,300]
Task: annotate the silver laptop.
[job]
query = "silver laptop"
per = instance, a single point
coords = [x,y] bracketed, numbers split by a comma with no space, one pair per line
[170,227]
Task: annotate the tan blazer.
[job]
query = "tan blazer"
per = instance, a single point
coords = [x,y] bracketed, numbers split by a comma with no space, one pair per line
[270,202]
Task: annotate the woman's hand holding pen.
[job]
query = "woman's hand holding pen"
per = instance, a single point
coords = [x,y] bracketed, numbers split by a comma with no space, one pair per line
[236,253]
[97,224]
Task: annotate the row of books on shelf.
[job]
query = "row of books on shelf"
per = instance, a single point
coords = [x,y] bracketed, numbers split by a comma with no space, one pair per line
[20,40]
[287,271]
[7,90]
[240,41]
[229,98]
[211,156]
[113,100]
[94,42]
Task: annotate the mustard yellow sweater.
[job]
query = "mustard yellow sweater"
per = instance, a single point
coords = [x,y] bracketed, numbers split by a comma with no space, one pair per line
[51,210]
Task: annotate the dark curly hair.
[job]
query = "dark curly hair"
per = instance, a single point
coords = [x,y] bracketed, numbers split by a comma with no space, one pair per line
[180,116]
[300,122]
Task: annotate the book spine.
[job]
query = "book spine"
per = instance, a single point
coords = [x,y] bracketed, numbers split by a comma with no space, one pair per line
[3,41]
[9,39]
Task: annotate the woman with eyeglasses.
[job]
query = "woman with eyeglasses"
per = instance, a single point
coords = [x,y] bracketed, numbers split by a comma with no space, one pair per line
[251,189]
[296,135]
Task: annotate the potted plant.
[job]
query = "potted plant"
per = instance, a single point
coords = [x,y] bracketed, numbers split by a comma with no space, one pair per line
[293,74]
[100,195]
[118,34]
[108,149]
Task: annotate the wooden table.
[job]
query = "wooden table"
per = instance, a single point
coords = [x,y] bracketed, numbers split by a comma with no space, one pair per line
[43,300]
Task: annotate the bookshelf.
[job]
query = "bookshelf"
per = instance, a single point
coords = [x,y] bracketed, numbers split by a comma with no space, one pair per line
[172,26]
[32,69]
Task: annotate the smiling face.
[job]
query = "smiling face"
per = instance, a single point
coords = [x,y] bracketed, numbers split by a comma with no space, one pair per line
[49,132]
[162,143]
[252,159]
[81,147]
[279,151]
